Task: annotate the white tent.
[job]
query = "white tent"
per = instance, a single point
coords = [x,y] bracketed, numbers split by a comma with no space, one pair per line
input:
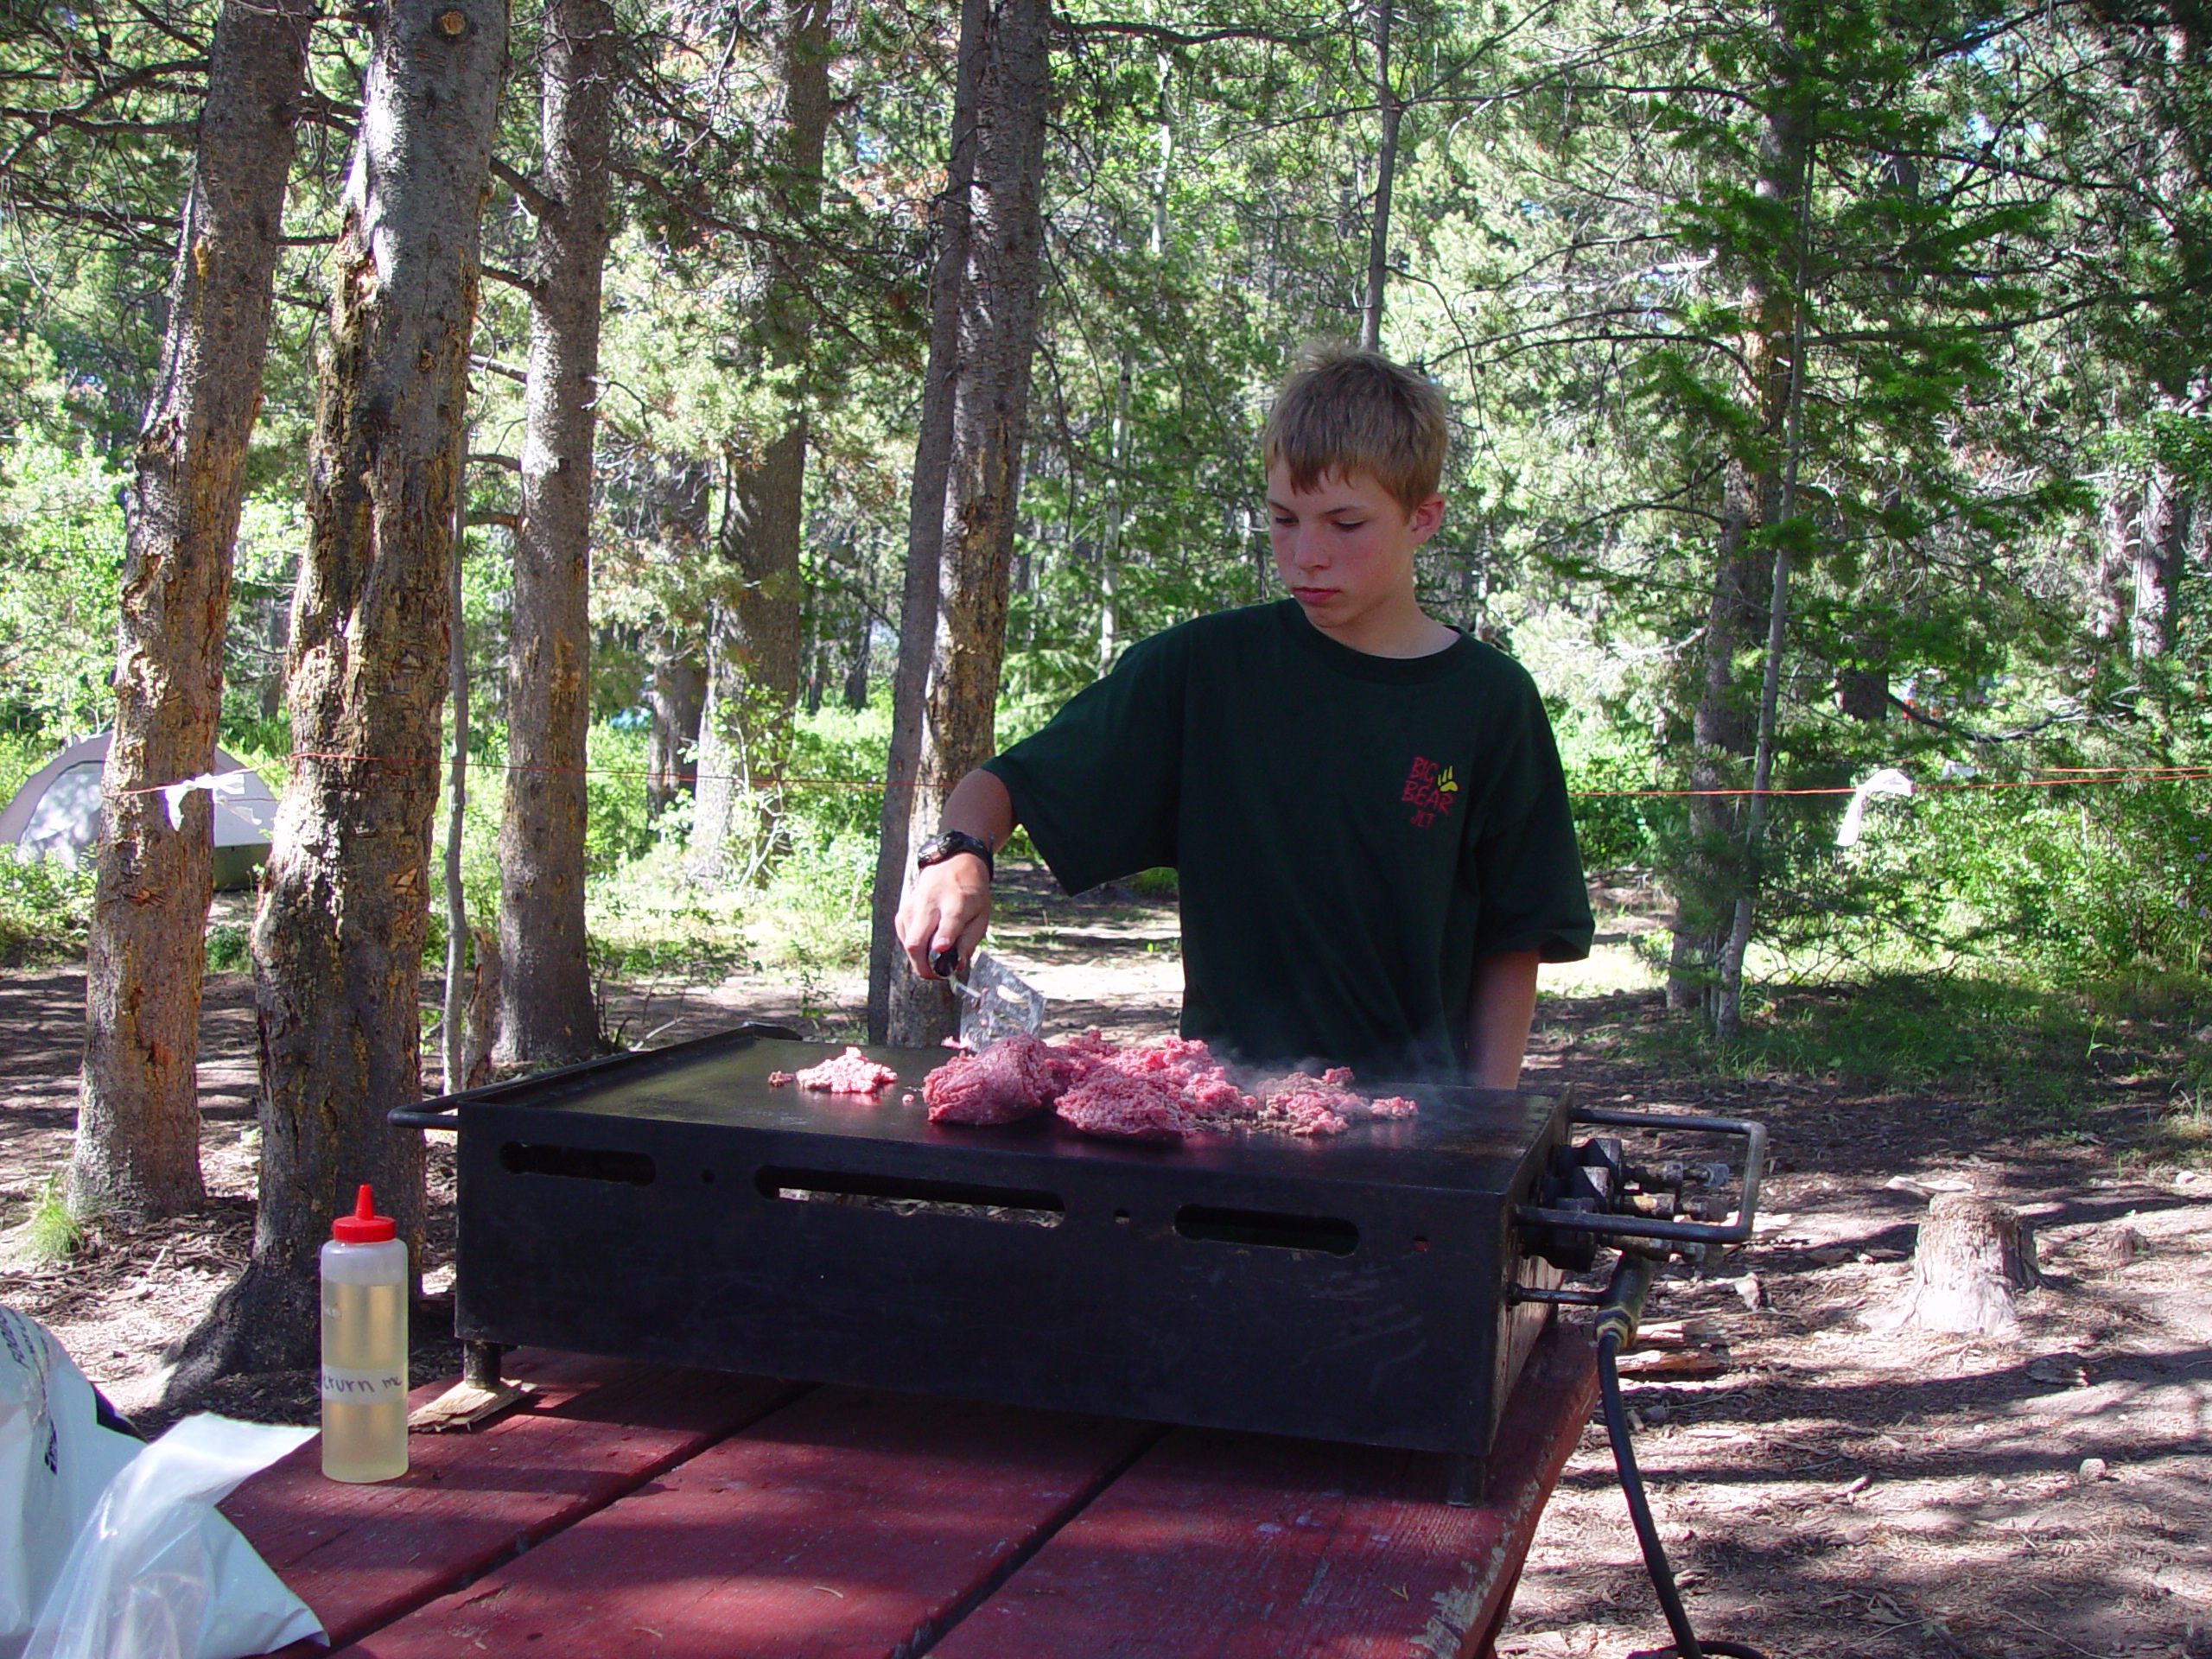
[57,812]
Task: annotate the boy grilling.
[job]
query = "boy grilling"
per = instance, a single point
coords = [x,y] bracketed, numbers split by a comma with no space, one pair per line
[1364,807]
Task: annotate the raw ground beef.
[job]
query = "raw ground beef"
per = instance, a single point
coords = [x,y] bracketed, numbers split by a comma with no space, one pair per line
[1118,1106]
[1306,1104]
[1012,1078]
[849,1073]
[1160,1091]
[1190,1069]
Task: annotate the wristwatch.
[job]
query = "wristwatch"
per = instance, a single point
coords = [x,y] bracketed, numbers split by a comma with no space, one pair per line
[947,842]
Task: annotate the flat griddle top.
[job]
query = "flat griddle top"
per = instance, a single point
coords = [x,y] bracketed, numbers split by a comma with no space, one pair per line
[1464,1139]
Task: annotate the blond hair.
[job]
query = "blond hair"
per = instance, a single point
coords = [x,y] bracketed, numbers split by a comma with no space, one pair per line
[1342,411]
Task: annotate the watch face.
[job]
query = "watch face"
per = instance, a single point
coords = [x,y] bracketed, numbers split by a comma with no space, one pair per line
[940,847]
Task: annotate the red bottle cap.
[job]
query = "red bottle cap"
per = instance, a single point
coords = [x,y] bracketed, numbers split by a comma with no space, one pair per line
[363,1226]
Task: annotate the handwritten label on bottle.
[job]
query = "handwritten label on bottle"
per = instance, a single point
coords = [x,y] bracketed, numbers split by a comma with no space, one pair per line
[354,1386]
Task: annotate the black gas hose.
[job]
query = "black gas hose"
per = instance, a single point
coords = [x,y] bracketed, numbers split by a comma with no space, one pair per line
[1617,1321]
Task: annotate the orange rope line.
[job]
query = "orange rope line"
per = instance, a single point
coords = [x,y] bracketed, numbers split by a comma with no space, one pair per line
[2070,776]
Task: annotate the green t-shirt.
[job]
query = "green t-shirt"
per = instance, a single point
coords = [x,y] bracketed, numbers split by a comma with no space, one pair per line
[1351,832]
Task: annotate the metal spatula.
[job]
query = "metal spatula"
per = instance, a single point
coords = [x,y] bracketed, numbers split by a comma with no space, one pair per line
[995,1002]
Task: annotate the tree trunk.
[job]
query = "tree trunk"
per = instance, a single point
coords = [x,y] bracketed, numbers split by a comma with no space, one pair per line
[1717,871]
[1116,526]
[856,664]
[682,496]
[1972,1255]
[2120,528]
[1386,167]
[675,696]
[998,336]
[137,1148]
[453,1045]
[754,638]
[1787,148]
[2160,563]
[1721,737]
[277,633]
[924,544]
[337,945]
[480,1024]
[547,1016]
[1862,693]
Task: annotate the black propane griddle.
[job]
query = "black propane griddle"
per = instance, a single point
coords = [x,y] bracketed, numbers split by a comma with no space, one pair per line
[673,1206]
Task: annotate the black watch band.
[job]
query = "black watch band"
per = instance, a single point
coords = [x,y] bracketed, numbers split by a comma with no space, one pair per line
[946,843]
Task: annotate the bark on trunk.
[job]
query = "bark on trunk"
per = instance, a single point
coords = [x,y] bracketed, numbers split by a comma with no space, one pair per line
[753,641]
[998,336]
[924,543]
[2159,564]
[676,696]
[856,664]
[451,1048]
[137,1148]
[2120,530]
[547,1015]
[479,1024]
[681,500]
[1721,737]
[338,944]
[1862,693]
[1711,925]
[1788,155]
[1386,167]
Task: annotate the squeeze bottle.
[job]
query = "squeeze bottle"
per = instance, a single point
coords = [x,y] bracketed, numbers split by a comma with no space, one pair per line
[363,1347]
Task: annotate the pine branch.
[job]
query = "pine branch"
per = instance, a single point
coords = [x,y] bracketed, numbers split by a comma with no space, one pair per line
[514,279]
[540,204]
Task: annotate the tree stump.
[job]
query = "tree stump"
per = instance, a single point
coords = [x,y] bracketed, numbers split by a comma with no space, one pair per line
[1973,1254]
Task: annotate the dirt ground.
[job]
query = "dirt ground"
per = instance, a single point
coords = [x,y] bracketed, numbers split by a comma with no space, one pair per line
[1823,1490]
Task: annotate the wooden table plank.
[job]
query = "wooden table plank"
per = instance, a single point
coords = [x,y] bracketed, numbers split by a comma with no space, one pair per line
[1249,1547]
[849,1525]
[363,1555]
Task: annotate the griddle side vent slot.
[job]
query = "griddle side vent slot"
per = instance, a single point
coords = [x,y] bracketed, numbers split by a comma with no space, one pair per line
[900,1195]
[1267,1229]
[578,1163]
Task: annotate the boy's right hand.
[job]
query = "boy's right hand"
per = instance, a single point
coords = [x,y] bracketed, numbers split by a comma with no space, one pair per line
[947,908]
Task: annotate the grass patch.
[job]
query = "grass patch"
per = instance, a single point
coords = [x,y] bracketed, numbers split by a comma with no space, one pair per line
[2032,1059]
[49,1233]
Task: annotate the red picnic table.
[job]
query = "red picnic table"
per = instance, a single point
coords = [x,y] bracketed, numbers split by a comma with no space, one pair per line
[648,1510]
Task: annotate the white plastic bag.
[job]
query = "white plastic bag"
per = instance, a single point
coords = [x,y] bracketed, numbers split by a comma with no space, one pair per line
[110,1549]
[155,1574]
[55,1462]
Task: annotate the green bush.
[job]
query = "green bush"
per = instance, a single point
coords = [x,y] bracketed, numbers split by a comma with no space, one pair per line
[837,762]
[2077,883]
[806,908]
[23,750]
[230,949]
[45,908]
[62,535]
[1606,763]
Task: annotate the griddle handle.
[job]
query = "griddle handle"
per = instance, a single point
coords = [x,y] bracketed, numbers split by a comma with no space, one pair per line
[1699,1232]
[439,1115]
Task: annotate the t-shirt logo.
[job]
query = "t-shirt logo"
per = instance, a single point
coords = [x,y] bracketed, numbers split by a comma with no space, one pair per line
[1430,790]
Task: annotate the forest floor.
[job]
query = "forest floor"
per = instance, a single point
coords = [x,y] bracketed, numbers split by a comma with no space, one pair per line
[1822,1489]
